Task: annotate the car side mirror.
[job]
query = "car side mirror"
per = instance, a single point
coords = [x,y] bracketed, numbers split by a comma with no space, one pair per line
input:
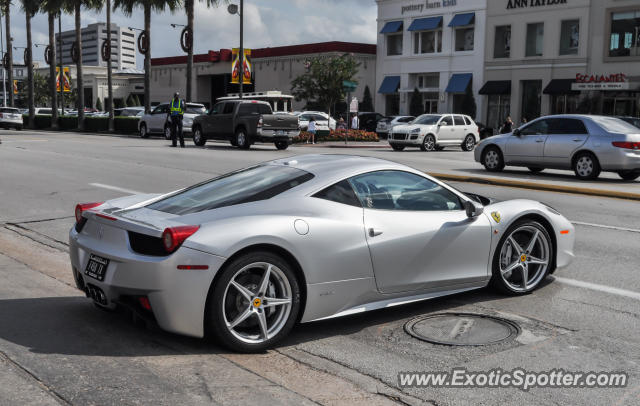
[517,132]
[473,209]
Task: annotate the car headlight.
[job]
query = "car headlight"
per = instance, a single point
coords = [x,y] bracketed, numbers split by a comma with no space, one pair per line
[415,131]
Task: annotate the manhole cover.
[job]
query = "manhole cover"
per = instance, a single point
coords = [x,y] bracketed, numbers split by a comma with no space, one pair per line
[462,329]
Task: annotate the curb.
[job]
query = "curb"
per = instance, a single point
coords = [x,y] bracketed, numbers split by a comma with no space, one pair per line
[354,145]
[537,186]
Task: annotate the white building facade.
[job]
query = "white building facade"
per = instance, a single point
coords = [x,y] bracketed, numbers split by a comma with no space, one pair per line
[435,46]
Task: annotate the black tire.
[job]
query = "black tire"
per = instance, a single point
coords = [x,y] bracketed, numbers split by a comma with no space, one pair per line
[242,140]
[629,175]
[215,317]
[143,131]
[198,138]
[535,170]
[469,143]
[586,166]
[492,159]
[167,132]
[397,147]
[282,145]
[428,143]
[232,141]
[498,282]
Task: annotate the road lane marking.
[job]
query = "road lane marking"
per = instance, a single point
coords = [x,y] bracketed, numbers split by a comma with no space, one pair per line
[600,288]
[116,188]
[633,230]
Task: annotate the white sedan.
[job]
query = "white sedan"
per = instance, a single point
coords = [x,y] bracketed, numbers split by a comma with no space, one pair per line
[433,132]
[323,121]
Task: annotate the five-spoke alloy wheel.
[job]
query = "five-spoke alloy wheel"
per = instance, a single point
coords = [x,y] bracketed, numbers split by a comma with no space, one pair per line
[429,143]
[254,303]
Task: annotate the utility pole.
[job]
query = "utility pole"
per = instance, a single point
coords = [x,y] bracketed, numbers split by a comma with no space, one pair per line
[61,74]
[241,47]
[4,82]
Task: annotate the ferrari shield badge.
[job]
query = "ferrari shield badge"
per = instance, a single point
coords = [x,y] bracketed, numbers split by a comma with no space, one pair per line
[496,216]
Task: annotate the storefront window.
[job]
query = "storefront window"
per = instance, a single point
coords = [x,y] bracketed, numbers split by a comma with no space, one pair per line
[621,104]
[464,39]
[498,110]
[625,34]
[394,44]
[502,44]
[427,42]
[565,104]
[429,80]
[569,37]
[535,36]
[430,102]
[531,93]
[392,105]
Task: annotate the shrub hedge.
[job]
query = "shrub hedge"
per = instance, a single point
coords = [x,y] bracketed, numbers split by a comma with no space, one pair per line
[338,135]
[123,125]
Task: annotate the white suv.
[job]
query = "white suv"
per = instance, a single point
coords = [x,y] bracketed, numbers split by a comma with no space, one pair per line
[433,132]
[156,122]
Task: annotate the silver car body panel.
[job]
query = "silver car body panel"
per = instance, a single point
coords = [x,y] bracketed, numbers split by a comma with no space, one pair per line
[344,271]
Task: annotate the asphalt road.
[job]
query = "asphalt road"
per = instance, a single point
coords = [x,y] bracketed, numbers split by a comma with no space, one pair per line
[56,348]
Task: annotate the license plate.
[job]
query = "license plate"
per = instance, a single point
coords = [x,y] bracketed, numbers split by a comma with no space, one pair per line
[97,267]
[280,132]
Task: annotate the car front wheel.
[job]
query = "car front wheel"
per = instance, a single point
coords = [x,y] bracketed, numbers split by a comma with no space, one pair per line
[143,131]
[429,143]
[282,145]
[255,302]
[167,132]
[198,138]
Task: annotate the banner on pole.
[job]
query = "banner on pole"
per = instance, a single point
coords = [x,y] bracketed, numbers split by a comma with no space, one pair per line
[66,79]
[235,66]
[15,86]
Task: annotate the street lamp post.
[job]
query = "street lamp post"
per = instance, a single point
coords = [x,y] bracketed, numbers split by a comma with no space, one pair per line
[233,9]
[61,73]
[4,82]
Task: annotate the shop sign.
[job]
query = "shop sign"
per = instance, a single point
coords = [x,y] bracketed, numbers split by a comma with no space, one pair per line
[533,3]
[601,86]
[419,7]
[613,78]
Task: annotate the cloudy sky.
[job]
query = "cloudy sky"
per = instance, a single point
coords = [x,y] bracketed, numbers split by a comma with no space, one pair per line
[268,23]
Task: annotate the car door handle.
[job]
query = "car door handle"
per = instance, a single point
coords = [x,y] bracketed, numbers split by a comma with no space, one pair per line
[539,140]
[577,139]
[374,232]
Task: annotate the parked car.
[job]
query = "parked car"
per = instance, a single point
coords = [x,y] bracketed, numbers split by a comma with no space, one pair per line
[484,131]
[45,111]
[156,122]
[137,111]
[243,122]
[635,121]
[368,121]
[10,118]
[386,124]
[586,144]
[323,121]
[431,132]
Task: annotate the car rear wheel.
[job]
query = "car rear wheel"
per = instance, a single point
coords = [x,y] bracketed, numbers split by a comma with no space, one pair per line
[586,166]
[629,175]
[429,143]
[523,258]
[397,147]
[535,170]
[143,131]
[468,143]
[198,138]
[282,145]
[167,132]
[492,159]
[242,141]
[255,303]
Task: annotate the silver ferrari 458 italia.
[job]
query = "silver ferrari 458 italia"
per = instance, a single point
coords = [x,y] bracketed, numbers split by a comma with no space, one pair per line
[245,256]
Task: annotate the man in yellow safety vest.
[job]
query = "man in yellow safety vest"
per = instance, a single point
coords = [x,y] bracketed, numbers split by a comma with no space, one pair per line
[176,113]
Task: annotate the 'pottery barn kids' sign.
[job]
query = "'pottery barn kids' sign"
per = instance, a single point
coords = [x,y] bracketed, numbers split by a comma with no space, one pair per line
[428,5]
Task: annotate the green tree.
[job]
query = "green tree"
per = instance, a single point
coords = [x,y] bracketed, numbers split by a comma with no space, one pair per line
[130,101]
[367,103]
[52,8]
[136,100]
[40,89]
[415,106]
[322,83]
[30,8]
[127,7]
[99,104]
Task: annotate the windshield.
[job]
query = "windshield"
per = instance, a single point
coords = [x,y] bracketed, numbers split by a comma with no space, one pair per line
[195,109]
[9,110]
[247,185]
[615,125]
[427,119]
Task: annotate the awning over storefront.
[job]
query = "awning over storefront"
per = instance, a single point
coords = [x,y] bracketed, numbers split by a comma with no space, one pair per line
[462,19]
[390,84]
[496,87]
[459,82]
[423,24]
[560,86]
[391,27]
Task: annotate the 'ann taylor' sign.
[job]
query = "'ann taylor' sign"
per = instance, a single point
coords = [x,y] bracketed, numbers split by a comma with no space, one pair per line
[533,3]
[428,5]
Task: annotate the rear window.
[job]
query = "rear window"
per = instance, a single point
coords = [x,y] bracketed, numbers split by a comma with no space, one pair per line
[9,110]
[247,185]
[195,109]
[615,125]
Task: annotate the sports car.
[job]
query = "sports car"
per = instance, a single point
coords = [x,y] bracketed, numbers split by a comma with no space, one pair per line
[247,255]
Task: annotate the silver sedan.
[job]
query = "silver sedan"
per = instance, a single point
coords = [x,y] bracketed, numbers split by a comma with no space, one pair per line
[245,256]
[586,144]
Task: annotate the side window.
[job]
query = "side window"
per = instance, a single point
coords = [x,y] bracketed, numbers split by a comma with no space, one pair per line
[247,108]
[467,120]
[228,108]
[341,192]
[446,120]
[540,127]
[318,117]
[398,190]
[216,109]
[458,120]
[567,126]
[264,109]
[157,110]
[406,119]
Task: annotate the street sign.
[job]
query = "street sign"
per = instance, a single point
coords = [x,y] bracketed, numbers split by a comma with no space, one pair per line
[349,86]
[353,107]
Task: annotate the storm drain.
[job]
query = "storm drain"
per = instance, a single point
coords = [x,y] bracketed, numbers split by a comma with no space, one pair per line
[462,329]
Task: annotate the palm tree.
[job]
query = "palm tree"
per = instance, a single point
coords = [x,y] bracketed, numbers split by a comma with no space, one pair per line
[189,5]
[127,7]
[30,8]
[6,6]
[52,8]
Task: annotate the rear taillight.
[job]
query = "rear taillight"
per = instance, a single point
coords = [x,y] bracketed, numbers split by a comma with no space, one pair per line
[626,144]
[173,237]
[82,207]
[260,123]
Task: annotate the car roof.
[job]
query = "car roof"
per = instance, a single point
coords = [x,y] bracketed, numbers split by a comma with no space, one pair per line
[336,165]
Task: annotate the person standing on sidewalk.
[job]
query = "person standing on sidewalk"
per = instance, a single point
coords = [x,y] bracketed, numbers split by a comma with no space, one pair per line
[354,122]
[507,127]
[176,114]
[312,130]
